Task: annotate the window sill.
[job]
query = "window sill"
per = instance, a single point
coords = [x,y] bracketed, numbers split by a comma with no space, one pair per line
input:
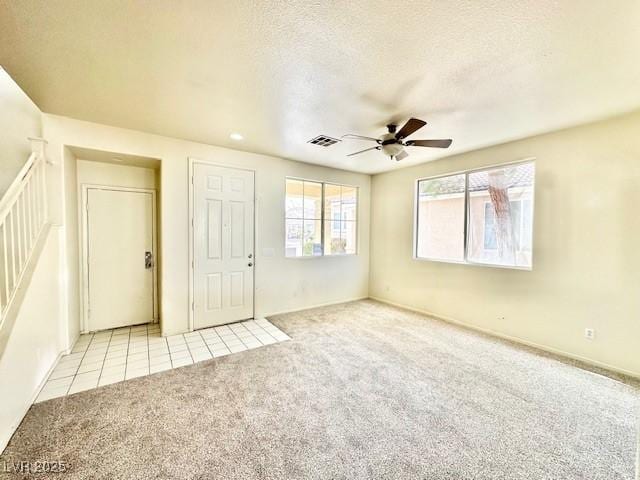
[310,257]
[474,264]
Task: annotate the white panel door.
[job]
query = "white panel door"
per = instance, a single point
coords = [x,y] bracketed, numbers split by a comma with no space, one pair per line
[119,235]
[223,203]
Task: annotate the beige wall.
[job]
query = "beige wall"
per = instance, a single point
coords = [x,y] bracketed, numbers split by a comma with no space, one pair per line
[585,260]
[19,119]
[101,173]
[281,284]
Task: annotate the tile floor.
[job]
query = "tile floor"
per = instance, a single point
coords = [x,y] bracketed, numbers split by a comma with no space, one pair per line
[112,356]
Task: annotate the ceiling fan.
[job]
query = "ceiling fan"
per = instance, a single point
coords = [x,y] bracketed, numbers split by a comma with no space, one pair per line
[393,143]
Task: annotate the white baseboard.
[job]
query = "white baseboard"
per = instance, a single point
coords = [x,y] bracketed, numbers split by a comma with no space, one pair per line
[309,307]
[519,340]
[16,422]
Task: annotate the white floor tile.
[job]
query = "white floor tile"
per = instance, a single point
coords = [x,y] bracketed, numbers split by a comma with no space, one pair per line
[178,348]
[59,382]
[47,394]
[134,357]
[221,352]
[109,356]
[136,372]
[63,372]
[201,354]
[181,362]
[160,367]
[237,348]
[114,362]
[90,367]
[181,354]
[164,350]
[141,363]
[160,359]
[110,380]
[65,363]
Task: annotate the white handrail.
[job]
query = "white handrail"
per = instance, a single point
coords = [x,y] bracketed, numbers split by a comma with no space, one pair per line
[23,216]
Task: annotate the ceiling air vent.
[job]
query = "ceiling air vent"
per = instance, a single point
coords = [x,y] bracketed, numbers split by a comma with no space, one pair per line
[323,141]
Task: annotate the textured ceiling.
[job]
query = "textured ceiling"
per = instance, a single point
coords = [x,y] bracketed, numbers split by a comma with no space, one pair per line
[282,72]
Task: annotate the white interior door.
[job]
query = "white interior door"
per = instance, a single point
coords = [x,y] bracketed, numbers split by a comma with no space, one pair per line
[120,280]
[223,203]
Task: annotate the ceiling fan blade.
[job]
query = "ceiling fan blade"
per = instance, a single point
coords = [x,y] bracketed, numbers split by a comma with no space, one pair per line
[429,143]
[411,126]
[362,151]
[401,156]
[359,137]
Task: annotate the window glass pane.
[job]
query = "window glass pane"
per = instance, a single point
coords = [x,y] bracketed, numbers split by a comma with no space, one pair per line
[312,201]
[293,238]
[501,215]
[489,233]
[333,243]
[294,199]
[312,241]
[348,236]
[441,203]
[332,202]
[349,203]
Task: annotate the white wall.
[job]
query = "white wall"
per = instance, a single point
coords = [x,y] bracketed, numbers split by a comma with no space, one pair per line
[281,284]
[586,260]
[35,341]
[19,119]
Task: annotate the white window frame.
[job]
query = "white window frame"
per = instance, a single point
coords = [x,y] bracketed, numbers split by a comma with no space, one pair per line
[466,173]
[324,220]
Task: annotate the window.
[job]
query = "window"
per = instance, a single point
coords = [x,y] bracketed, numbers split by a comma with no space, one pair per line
[481,216]
[320,218]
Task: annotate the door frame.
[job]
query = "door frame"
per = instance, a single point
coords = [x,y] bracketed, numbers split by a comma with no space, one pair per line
[84,320]
[192,162]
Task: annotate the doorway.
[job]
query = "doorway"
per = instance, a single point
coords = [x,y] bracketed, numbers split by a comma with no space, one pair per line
[119,256]
[222,209]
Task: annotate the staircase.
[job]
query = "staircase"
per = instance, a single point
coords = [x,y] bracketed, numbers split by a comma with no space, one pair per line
[23,226]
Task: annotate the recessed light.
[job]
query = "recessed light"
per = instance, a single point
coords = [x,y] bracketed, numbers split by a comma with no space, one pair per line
[236,136]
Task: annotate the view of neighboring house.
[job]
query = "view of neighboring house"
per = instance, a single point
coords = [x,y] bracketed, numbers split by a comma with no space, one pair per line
[442,215]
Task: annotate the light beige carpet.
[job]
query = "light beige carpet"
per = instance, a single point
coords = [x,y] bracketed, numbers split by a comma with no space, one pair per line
[362,390]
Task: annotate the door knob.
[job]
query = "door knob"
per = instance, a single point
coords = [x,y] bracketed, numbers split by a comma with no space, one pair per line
[251,255]
[250,264]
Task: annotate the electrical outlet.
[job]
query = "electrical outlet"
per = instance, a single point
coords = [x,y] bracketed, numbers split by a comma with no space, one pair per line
[589,333]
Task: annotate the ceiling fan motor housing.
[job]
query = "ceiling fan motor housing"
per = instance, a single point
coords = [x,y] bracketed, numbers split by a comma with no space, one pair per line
[390,149]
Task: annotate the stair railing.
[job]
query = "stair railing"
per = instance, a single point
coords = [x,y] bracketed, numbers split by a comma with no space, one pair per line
[23,217]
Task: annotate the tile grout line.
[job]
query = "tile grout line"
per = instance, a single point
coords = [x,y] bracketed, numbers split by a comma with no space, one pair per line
[206,344]
[83,355]
[104,358]
[188,348]
[148,351]
[126,357]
